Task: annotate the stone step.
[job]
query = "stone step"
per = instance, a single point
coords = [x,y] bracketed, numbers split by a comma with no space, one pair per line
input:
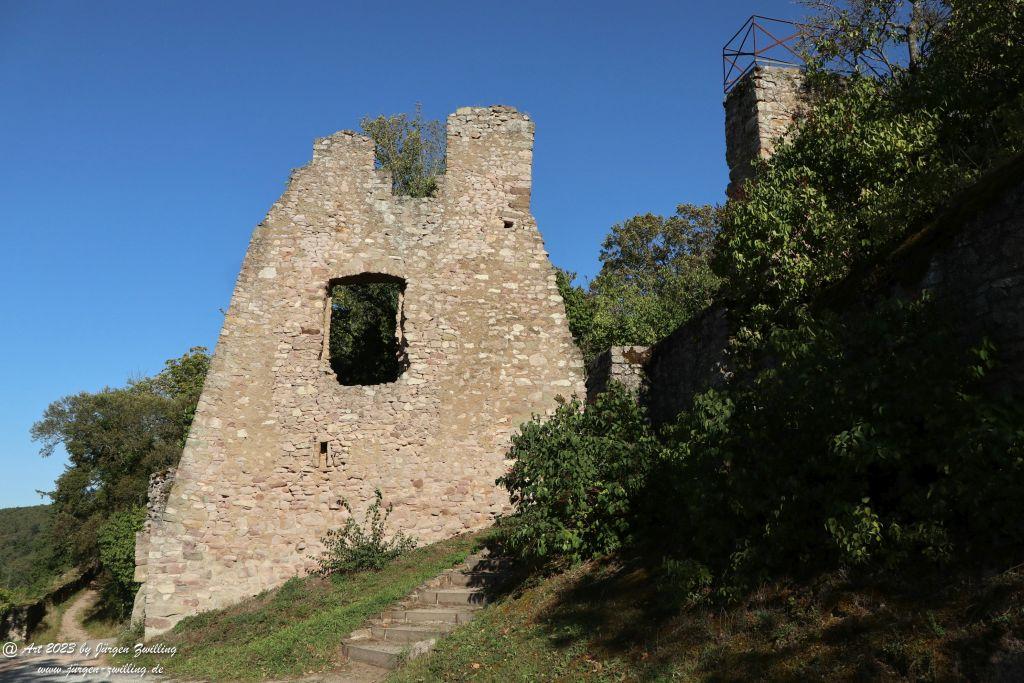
[452,596]
[409,633]
[426,615]
[377,653]
[473,579]
[491,564]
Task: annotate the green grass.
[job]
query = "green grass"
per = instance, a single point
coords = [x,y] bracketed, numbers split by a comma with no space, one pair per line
[608,622]
[298,627]
[48,630]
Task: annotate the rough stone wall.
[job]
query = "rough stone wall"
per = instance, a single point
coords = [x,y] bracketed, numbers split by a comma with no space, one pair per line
[622,364]
[979,275]
[759,111]
[970,259]
[487,345]
[156,502]
[690,360]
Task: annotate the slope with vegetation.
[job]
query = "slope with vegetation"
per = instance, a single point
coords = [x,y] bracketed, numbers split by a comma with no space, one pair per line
[27,564]
[858,452]
[298,628]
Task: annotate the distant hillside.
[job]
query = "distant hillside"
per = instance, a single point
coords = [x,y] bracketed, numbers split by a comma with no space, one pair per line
[26,557]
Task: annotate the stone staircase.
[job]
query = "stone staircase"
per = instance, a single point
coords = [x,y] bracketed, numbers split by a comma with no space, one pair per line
[412,627]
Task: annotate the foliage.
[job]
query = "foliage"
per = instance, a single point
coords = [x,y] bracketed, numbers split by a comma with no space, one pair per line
[297,628]
[356,547]
[867,440]
[411,149]
[865,36]
[873,158]
[116,539]
[576,477]
[7,600]
[606,621]
[654,276]
[364,348]
[28,565]
[114,439]
[845,187]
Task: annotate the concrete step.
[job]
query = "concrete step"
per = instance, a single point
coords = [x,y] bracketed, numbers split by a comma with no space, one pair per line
[452,596]
[425,615]
[377,653]
[409,633]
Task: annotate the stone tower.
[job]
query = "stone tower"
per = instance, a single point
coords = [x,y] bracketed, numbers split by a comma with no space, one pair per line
[759,111]
[278,441]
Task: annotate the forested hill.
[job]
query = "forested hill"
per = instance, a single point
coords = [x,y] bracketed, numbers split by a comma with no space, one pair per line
[26,564]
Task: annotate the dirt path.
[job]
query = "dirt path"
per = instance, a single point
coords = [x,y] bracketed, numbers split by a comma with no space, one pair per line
[26,666]
[71,629]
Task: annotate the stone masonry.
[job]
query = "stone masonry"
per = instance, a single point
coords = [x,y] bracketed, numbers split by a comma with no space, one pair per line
[759,112]
[622,364]
[278,442]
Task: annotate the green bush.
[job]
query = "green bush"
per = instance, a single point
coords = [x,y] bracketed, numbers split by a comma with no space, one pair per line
[116,541]
[356,547]
[869,440]
[575,478]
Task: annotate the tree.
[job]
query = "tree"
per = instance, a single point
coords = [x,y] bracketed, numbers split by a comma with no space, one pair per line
[867,35]
[114,439]
[655,275]
[410,148]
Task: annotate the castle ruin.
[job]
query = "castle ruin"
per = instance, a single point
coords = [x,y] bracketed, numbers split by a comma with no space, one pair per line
[279,440]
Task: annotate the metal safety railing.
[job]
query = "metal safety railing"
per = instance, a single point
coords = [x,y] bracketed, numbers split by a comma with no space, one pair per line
[760,41]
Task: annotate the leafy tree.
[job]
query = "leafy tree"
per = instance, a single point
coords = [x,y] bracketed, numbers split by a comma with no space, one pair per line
[411,148]
[865,36]
[114,439]
[655,275]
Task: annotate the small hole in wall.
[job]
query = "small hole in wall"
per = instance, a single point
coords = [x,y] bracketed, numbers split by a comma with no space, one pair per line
[509,224]
[323,448]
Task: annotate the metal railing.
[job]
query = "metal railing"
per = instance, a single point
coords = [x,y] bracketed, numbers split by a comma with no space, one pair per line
[760,41]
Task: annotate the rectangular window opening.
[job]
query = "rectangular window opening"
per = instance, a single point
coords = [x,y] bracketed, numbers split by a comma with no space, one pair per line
[365,342]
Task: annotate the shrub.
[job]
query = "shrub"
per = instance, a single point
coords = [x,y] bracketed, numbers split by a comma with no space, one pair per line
[868,441]
[116,540]
[576,477]
[356,547]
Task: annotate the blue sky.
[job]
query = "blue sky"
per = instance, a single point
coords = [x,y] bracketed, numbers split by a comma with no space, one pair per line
[140,142]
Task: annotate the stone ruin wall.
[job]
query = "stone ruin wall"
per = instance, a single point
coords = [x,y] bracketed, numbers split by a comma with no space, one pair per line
[970,259]
[278,442]
[759,111]
[622,364]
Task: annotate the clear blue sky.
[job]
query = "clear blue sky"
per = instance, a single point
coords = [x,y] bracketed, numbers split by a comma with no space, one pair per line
[141,141]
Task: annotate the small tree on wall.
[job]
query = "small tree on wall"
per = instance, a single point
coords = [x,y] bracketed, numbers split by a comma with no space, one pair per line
[411,148]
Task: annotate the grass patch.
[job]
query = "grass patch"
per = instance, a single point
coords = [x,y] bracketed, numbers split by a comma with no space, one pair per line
[102,621]
[609,622]
[298,627]
[48,630]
